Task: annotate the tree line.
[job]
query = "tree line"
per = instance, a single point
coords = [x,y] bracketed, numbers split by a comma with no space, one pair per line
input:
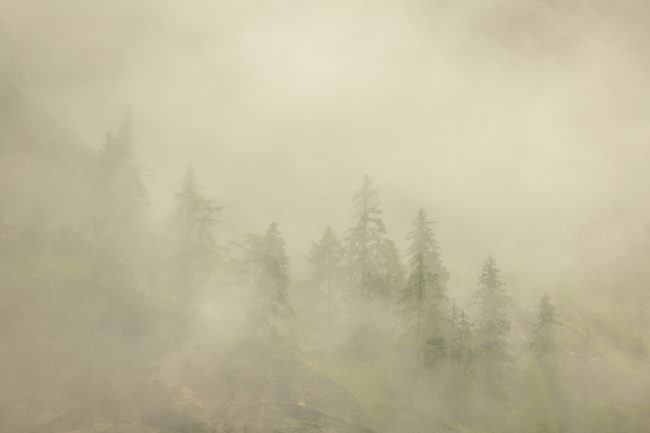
[355,279]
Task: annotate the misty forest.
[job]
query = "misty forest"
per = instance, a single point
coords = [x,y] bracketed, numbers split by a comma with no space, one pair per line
[346,216]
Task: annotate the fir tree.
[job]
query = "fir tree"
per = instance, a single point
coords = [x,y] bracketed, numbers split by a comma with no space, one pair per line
[423,292]
[544,343]
[269,266]
[424,246]
[545,389]
[372,259]
[326,259]
[393,270]
[459,372]
[120,193]
[461,341]
[194,221]
[493,324]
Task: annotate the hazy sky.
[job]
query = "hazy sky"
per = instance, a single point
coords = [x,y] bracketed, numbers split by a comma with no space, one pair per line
[520,125]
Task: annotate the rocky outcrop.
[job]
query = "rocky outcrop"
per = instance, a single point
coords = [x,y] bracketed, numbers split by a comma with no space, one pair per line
[254,387]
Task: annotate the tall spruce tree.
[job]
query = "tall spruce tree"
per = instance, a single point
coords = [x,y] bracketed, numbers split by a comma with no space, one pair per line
[326,259]
[544,343]
[269,267]
[392,279]
[424,243]
[195,245]
[120,192]
[423,296]
[373,264]
[493,324]
[458,372]
[546,350]
[461,350]
[545,388]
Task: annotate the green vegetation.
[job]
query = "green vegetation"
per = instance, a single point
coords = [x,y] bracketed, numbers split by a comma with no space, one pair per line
[112,325]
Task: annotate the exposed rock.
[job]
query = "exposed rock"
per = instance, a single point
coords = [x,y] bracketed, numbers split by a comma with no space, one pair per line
[255,387]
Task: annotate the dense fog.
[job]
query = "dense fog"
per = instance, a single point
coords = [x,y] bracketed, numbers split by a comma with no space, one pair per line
[342,216]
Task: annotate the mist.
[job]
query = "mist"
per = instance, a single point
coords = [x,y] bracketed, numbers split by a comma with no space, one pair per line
[168,171]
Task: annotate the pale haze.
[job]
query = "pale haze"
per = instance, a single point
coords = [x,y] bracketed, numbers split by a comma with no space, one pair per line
[522,128]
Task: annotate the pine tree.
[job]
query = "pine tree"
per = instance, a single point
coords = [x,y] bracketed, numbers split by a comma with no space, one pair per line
[423,294]
[546,351]
[326,259]
[373,263]
[458,372]
[461,341]
[120,193]
[269,268]
[544,343]
[493,324]
[424,244]
[546,390]
[196,248]
[392,279]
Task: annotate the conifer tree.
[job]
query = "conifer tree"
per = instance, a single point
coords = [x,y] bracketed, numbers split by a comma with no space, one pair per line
[326,259]
[461,341]
[373,263]
[459,372]
[120,193]
[493,324]
[544,343]
[545,387]
[546,348]
[194,220]
[392,279]
[424,244]
[269,266]
[423,295]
